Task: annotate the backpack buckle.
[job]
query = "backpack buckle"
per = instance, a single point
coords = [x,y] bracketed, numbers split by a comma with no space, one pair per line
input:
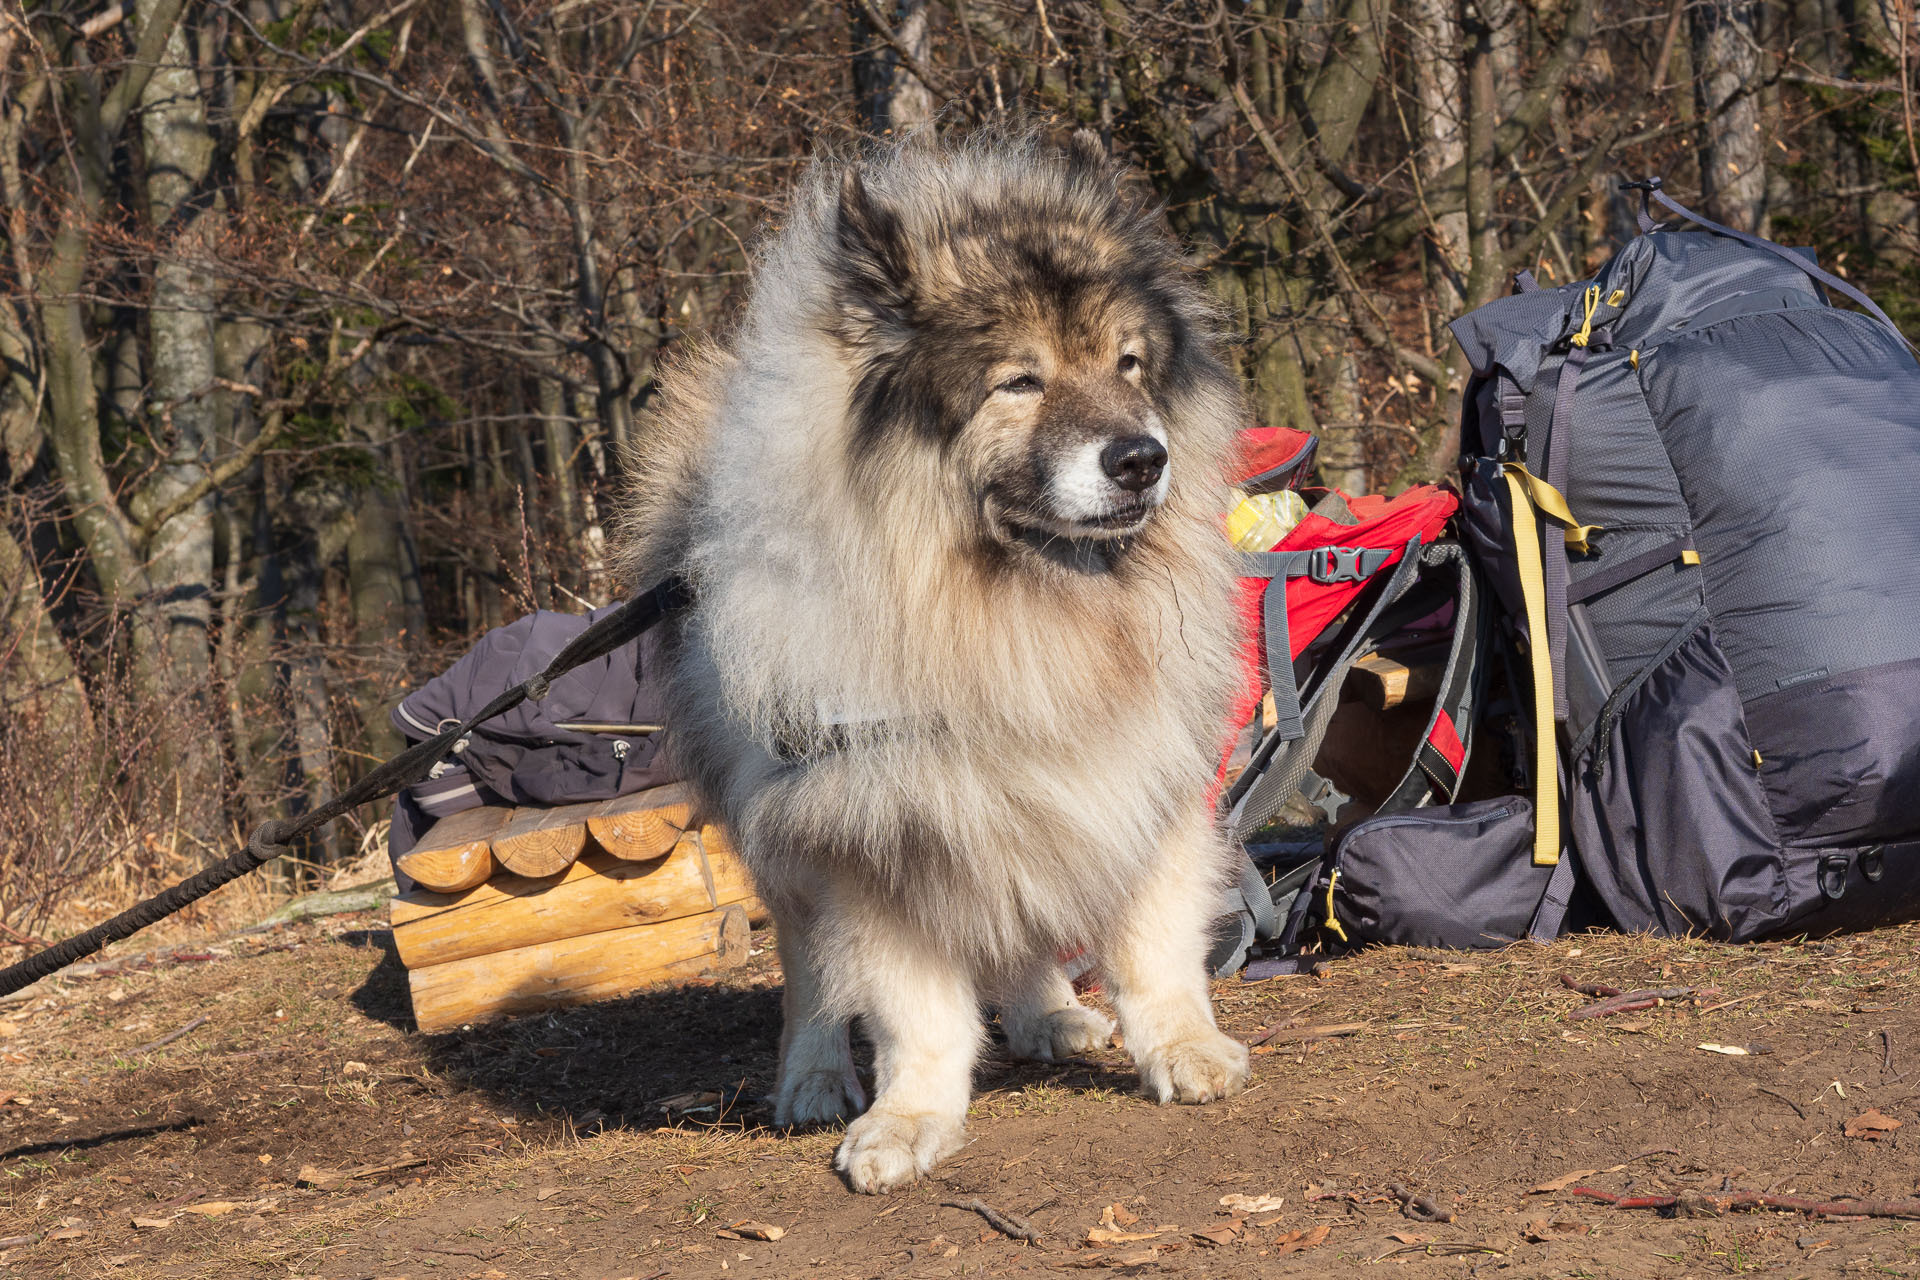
[1833,875]
[1873,863]
[1327,565]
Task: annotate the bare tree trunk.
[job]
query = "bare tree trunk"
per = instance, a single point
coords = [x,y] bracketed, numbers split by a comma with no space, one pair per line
[178,152]
[1434,40]
[912,102]
[891,97]
[1733,175]
[36,671]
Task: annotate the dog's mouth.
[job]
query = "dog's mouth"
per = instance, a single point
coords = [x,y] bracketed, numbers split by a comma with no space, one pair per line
[1049,532]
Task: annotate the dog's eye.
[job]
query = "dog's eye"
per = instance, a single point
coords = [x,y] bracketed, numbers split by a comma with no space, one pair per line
[1130,364]
[1023,384]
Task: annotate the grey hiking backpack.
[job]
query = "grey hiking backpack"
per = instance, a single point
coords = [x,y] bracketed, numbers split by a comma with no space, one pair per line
[1689,484]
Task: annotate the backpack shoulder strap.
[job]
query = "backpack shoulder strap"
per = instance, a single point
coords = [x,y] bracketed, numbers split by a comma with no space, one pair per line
[1279,764]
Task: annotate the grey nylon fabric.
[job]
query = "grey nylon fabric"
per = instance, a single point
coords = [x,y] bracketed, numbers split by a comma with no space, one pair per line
[1673,832]
[1450,876]
[1867,898]
[1838,757]
[1796,435]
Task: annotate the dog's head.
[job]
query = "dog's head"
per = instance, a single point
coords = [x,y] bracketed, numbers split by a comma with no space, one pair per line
[1027,321]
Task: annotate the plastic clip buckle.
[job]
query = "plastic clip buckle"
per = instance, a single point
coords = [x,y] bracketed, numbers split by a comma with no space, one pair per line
[1833,875]
[1327,565]
[1873,863]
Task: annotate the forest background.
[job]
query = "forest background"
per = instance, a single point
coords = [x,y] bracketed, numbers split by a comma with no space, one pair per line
[326,322]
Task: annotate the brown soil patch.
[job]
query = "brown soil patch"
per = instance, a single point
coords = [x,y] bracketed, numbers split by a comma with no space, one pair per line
[547,1151]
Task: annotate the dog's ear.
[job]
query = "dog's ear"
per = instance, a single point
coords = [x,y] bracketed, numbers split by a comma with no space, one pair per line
[1085,152]
[873,260]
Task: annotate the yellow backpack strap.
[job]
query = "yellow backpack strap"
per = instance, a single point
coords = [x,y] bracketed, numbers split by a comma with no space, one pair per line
[1533,589]
[1554,504]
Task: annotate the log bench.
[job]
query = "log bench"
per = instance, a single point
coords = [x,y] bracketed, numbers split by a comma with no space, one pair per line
[522,910]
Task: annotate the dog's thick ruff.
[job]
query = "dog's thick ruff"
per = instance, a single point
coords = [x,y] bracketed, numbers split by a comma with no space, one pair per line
[963,643]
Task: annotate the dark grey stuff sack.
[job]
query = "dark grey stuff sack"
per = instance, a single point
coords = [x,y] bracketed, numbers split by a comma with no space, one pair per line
[1455,876]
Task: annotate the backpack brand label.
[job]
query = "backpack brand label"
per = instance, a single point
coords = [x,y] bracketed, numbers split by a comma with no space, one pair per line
[1799,677]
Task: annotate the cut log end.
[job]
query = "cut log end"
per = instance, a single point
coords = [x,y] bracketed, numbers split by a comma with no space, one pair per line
[643,826]
[542,842]
[451,870]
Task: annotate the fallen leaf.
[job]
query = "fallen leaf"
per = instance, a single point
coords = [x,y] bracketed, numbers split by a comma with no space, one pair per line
[1107,1235]
[1735,1050]
[1631,1025]
[210,1208]
[1310,1240]
[759,1230]
[67,1233]
[545,1194]
[152,1224]
[1403,1237]
[1252,1204]
[264,1158]
[1872,1125]
[1118,1215]
[1269,1220]
[1224,1234]
[1562,1182]
[121,1259]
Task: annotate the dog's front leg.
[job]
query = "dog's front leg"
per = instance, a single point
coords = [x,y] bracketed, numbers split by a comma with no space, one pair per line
[1156,963]
[924,1019]
[817,1080]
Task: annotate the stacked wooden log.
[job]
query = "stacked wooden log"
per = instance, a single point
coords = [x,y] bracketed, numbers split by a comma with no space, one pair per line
[521,910]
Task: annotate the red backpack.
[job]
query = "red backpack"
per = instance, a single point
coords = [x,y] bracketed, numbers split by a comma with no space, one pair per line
[1352,573]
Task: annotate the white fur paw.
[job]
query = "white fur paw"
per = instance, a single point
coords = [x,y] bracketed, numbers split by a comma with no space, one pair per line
[817,1097]
[1202,1068]
[885,1150]
[1061,1034]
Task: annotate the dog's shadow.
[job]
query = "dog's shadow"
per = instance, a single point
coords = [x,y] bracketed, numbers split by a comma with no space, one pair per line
[697,1053]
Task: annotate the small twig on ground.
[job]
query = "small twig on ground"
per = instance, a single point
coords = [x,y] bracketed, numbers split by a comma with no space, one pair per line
[1005,1223]
[1758,1200]
[1633,1001]
[1587,988]
[8,1242]
[1282,1031]
[462,1251]
[1420,1208]
[1775,1093]
[1728,1004]
[1886,1058]
[24,939]
[169,1038]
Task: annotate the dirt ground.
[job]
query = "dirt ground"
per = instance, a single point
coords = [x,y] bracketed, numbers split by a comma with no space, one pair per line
[627,1139]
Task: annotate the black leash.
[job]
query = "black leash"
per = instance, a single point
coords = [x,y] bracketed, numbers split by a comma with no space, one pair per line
[273,838]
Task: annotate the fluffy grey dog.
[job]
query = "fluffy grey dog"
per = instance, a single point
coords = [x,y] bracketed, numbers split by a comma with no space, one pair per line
[957,669]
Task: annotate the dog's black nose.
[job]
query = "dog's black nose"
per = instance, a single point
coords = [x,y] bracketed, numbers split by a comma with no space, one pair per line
[1134,462]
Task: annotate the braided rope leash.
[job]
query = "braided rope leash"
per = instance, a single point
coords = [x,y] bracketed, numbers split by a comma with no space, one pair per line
[276,836]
